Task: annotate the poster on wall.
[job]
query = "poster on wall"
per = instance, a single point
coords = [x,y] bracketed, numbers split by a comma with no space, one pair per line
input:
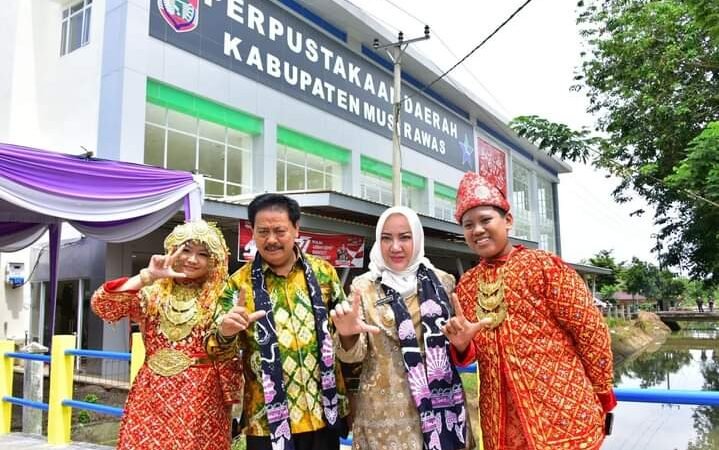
[340,250]
[492,164]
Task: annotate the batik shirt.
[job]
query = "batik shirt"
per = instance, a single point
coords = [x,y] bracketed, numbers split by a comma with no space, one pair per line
[294,323]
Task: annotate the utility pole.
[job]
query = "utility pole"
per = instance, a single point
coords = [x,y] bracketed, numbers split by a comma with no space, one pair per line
[395,50]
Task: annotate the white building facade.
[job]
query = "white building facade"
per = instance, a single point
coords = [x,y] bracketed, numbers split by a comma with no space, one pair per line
[257,96]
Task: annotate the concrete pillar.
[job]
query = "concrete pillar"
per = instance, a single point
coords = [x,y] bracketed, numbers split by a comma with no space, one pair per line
[32,389]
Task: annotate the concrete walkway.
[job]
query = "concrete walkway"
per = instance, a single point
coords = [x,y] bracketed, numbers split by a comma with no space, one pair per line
[20,441]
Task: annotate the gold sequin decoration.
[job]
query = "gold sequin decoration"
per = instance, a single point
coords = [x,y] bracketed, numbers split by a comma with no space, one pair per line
[490,301]
[167,362]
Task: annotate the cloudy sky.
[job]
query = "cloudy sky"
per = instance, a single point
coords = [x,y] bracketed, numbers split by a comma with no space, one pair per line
[527,68]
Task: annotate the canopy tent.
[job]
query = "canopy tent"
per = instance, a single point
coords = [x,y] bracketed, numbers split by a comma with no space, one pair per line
[107,200]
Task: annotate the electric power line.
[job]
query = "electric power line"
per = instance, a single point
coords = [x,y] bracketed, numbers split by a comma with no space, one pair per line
[451,52]
[471,52]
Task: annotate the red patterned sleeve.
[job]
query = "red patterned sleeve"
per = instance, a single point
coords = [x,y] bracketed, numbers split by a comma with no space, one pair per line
[231,379]
[463,359]
[111,305]
[573,307]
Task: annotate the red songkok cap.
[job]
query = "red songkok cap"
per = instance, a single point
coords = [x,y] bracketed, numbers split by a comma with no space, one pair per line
[475,190]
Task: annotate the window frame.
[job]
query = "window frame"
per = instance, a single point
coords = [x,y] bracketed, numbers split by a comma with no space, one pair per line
[67,16]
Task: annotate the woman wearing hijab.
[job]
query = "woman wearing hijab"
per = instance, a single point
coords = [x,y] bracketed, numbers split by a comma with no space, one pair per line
[180,398]
[410,396]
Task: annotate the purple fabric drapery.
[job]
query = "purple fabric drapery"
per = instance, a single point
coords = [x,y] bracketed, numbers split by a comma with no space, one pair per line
[68,175]
[108,200]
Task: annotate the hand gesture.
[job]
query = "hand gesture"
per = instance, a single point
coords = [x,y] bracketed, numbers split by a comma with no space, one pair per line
[347,318]
[161,266]
[238,319]
[461,331]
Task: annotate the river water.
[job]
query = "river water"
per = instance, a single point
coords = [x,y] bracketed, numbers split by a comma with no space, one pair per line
[689,360]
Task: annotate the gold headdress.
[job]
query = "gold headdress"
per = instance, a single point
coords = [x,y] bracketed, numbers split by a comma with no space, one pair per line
[201,232]
[183,306]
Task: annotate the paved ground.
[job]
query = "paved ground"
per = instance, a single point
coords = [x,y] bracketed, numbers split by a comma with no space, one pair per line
[20,441]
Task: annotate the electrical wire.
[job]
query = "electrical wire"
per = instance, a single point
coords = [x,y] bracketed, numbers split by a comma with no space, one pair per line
[37,261]
[454,55]
[471,52]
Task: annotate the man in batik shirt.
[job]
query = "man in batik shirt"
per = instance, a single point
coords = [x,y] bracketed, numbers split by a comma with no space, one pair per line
[542,347]
[275,309]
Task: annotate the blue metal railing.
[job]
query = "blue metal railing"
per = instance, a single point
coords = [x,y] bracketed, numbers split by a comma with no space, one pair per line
[29,356]
[122,356]
[24,402]
[19,400]
[705,398]
[96,407]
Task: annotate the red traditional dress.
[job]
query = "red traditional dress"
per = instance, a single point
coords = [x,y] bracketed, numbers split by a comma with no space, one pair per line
[546,369]
[180,399]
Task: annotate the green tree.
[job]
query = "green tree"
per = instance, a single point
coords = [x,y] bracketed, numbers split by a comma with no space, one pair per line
[605,259]
[607,292]
[640,278]
[651,73]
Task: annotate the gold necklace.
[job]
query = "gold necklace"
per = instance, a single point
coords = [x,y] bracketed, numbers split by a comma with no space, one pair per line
[490,300]
[180,313]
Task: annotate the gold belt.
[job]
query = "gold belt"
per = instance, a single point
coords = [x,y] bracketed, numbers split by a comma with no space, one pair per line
[167,362]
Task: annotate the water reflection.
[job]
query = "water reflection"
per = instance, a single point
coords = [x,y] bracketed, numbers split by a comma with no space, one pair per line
[687,360]
[706,419]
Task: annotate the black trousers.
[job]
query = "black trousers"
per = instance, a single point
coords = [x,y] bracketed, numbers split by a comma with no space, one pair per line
[323,439]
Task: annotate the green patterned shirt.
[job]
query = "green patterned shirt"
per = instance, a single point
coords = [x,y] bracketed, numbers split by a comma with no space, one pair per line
[294,322]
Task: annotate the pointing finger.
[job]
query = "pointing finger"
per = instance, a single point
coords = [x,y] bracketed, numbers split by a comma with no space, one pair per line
[257,315]
[458,312]
[356,300]
[370,329]
[240,300]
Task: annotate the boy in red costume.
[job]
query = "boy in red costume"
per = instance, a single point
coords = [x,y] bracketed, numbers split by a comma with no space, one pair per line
[542,347]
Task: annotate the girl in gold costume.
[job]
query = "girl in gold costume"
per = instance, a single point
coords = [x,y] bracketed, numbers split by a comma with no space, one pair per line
[180,398]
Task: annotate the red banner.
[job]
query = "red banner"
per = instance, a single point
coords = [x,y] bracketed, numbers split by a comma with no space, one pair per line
[492,164]
[340,250]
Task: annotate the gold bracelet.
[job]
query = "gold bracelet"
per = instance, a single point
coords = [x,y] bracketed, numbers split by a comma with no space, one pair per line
[145,277]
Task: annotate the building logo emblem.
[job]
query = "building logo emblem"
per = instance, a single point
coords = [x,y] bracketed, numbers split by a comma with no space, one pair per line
[181,15]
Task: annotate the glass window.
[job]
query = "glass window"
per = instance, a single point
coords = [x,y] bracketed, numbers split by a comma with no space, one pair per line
[298,170]
[239,139]
[376,189]
[154,146]
[75,27]
[235,189]
[180,151]
[236,160]
[214,188]
[212,159]
[521,201]
[545,204]
[209,130]
[315,179]
[179,141]
[295,177]
[444,208]
[181,122]
[155,114]
[281,175]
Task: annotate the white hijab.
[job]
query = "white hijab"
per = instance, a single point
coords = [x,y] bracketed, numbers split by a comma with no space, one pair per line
[404,282]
